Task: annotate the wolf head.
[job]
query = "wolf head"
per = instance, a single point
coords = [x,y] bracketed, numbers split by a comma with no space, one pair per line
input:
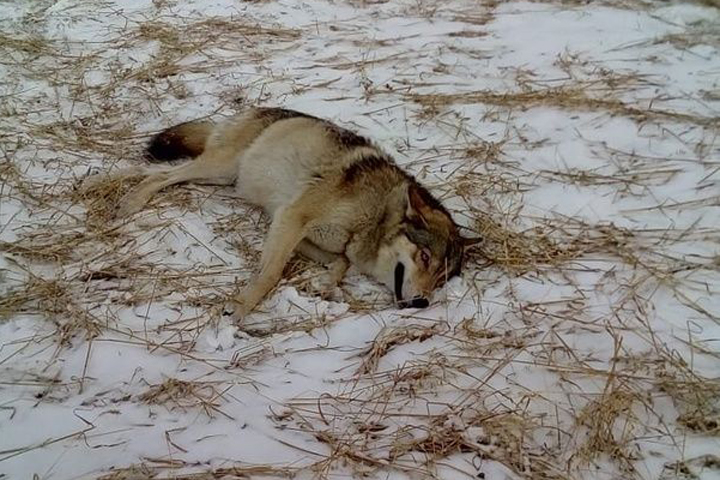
[424,251]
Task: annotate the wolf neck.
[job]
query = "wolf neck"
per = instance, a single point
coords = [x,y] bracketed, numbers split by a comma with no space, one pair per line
[387,219]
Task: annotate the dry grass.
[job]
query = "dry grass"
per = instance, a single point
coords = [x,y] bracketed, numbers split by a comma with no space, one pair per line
[52,299]
[35,296]
[386,340]
[34,45]
[185,395]
[567,98]
[520,251]
[696,398]
[146,471]
[375,432]
[633,5]
[611,423]
[101,200]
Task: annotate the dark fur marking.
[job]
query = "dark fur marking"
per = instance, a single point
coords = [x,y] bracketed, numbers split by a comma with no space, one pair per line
[272,115]
[428,199]
[367,164]
[171,144]
[347,138]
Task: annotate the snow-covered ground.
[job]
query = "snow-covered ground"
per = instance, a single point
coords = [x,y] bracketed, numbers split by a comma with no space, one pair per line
[582,340]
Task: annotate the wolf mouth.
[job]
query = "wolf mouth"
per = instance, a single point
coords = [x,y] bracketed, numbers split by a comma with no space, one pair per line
[399,276]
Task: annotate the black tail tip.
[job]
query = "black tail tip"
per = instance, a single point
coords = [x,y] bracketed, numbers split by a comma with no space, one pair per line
[166,146]
[181,141]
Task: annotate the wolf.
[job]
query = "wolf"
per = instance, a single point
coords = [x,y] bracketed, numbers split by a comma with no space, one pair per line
[332,195]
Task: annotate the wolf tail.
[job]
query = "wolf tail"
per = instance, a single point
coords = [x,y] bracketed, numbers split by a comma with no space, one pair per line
[181,141]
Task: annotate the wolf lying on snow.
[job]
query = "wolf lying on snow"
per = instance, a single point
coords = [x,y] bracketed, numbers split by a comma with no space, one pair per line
[332,195]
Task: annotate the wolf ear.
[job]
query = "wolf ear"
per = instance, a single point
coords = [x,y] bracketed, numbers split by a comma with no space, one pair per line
[417,207]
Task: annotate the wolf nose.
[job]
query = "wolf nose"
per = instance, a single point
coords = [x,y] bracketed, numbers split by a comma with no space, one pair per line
[417,302]
[420,303]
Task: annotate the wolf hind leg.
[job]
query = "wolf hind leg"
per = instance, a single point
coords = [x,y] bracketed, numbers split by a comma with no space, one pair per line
[211,168]
[92,181]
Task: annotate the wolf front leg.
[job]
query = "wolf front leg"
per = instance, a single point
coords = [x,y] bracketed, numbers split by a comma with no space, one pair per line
[336,263]
[289,226]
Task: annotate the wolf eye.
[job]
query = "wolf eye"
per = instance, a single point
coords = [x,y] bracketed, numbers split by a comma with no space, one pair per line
[425,257]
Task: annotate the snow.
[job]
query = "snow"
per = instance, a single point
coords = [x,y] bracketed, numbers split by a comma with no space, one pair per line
[523,359]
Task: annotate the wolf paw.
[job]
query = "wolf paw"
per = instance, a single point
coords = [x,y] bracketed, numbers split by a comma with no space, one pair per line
[326,287]
[331,280]
[128,205]
[235,311]
[334,294]
[92,180]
